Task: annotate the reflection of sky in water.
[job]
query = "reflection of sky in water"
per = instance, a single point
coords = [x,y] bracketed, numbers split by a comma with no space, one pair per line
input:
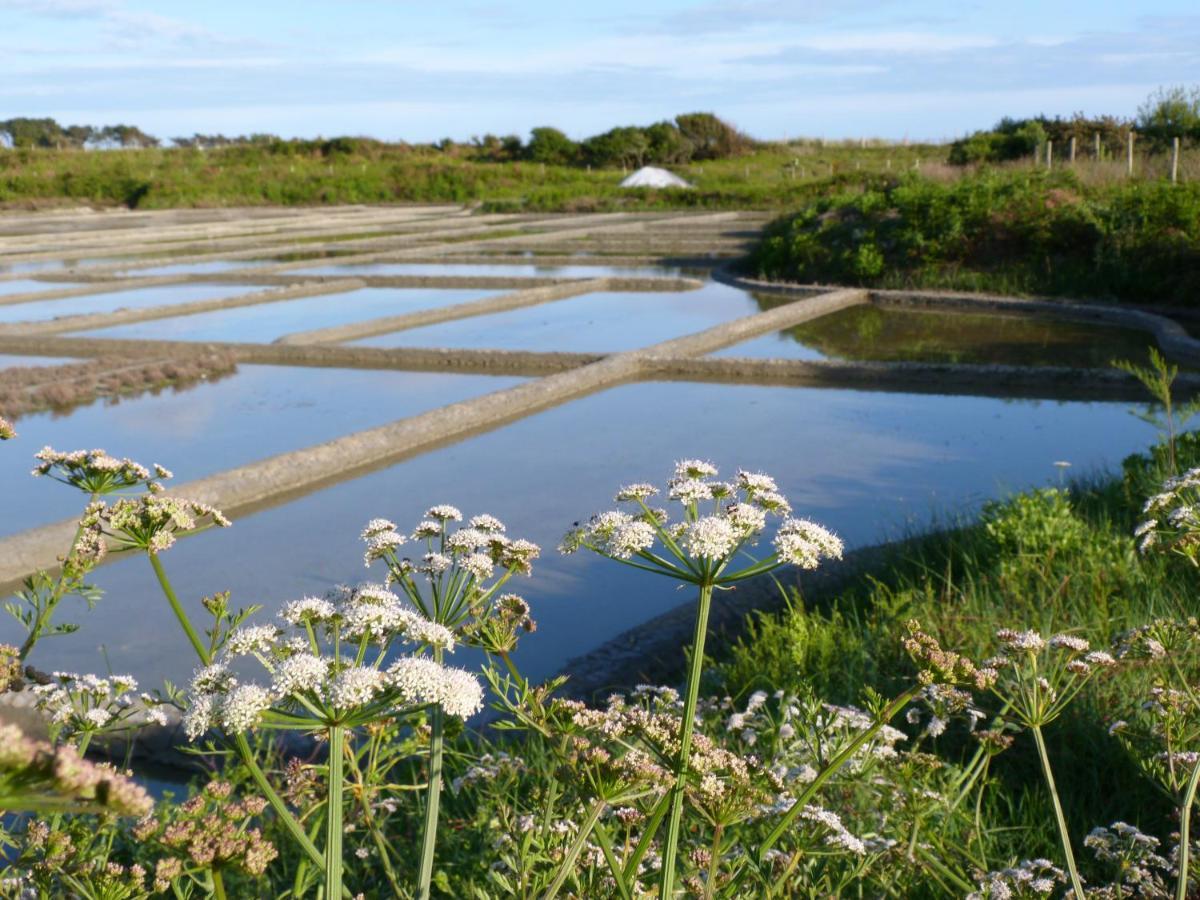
[216,265]
[867,464]
[107,302]
[265,322]
[513,271]
[253,414]
[589,323]
[22,285]
[16,361]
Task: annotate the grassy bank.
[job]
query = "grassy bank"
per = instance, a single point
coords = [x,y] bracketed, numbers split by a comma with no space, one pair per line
[154,178]
[1015,231]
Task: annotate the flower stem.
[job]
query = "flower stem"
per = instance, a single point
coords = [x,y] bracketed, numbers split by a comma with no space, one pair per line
[1185,821]
[239,741]
[178,609]
[218,885]
[1063,834]
[671,845]
[432,797]
[333,811]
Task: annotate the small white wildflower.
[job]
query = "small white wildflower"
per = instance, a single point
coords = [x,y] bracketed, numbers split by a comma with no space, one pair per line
[377,526]
[1069,642]
[478,565]
[694,468]
[356,686]
[710,537]
[690,490]
[243,707]
[299,673]
[308,609]
[427,529]
[803,543]
[639,491]
[444,513]
[486,523]
[199,716]
[98,718]
[251,639]
[420,680]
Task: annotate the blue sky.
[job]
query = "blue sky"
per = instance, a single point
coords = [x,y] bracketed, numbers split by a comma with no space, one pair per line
[400,69]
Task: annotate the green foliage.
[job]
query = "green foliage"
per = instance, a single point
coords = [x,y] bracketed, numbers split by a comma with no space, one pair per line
[551,146]
[1017,232]
[1010,139]
[1170,113]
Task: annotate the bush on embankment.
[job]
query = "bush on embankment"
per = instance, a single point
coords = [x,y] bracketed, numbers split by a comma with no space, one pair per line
[1019,231]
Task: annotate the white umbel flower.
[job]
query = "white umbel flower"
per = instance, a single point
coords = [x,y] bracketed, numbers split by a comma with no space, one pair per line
[251,639]
[300,673]
[420,680]
[803,543]
[355,687]
[710,537]
[243,707]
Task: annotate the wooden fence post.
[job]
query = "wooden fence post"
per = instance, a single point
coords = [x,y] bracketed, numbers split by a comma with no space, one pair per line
[1072,149]
[1049,154]
[1129,154]
[1175,161]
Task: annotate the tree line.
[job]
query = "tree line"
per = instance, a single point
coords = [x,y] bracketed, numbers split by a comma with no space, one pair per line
[1166,114]
[691,136]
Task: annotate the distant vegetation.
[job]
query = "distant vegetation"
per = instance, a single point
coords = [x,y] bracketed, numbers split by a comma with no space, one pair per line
[1021,231]
[1167,114]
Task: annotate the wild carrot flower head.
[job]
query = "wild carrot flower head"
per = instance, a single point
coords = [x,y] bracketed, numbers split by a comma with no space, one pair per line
[1039,676]
[455,584]
[324,663]
[96,472]
[1172,518]
[719,520]
[84,704]
[151,522]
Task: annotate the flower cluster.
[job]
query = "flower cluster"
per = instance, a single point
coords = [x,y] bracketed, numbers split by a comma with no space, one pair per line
[1039,675]
[1140,871]
[488,768]
[719,520]
[7,432]
[1172,517]
[10,668]
[96,472]
[456,581]
[151,522]
[209,830]
[35,775]
[85,704]
[1032,878]
[941,666]
[311,679]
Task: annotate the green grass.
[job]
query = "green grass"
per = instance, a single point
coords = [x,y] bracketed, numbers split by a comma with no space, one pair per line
[1054,560]
[774,177]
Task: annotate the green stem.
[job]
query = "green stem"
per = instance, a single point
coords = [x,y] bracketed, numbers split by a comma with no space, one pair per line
[1185,821]
[44,615]
[333,812]
[568,863]
[240,743]
[178,609]
[671,845]
[218,885]
[710,884]
[432,797]
[830,770]
[1063,834]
